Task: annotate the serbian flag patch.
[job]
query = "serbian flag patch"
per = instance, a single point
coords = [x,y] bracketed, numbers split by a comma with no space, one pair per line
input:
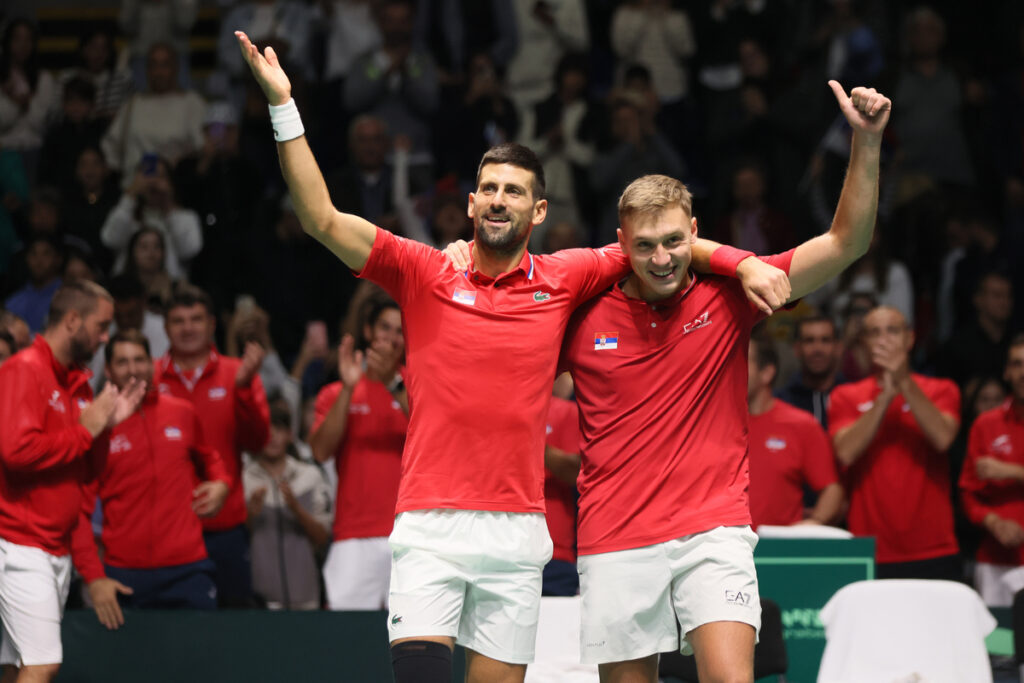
[606,340]
[464,296]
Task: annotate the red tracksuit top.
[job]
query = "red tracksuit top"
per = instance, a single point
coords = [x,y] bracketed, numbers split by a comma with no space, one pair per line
[44,451]
[232,420]
[144,480]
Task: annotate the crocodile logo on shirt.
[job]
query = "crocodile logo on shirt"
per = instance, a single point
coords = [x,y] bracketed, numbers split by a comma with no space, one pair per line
[396,620]
[541,296]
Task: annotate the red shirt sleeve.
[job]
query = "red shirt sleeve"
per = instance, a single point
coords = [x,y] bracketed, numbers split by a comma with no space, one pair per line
[252,415]
[26,444]
[84,553]
[819,463]
[401,265]
[972,489]
[209,463]
[947,398]
[589,272]
[324,402]
[842,410]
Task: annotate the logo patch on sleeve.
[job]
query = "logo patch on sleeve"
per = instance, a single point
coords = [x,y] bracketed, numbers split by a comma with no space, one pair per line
[172,433]
[606,340]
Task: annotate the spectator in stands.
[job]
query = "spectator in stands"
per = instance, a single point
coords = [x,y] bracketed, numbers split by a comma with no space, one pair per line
[7,346]
[456,31]
[44,258]
[79,265]
[887,280]
[638,148]
[818,352]
[563,129]
[788,451]
[933,147]
[228,396]
[145,481]
[250,323]
[361,422]
[992,485]
[365,185]
[561,467]
[985,252]
[92,196]
[891,434]
[397,83]
[546,31]
[130,313]
[14,191]
[14,325]
[474,118]
[856,358]
[146,263]
[218,184]
[150,201]
[148,23]
[29,96]
[65,140]
[976,346]
[289,515]
[752,224]
[286,26]
[164,119]
[351,32]
[97,64]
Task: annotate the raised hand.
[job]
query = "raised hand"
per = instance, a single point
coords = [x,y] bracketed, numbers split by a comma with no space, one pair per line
[267,70]
[252,359]
[459,254]
[96,416]
[350,362]
[766,286]
[127,401]
[866,110]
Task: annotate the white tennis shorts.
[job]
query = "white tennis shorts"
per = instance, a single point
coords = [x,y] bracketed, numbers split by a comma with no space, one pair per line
[33,589]
[471,575]
[632,599]
[357,573]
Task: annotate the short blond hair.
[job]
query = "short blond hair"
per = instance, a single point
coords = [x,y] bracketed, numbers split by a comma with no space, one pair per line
[650,195]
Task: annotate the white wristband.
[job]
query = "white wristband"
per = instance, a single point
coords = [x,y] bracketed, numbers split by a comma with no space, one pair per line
[286,121]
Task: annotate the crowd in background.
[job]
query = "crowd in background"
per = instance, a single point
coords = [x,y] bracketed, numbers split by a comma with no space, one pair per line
[132,169]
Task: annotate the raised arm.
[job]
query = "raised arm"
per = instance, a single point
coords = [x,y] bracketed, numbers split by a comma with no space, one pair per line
[821,258]
[348,236]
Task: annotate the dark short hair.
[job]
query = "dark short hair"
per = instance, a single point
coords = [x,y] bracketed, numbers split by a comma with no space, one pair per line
[765,353]
[280,416]
[373,309]
[989,275]
[798,329]
[188,296]
[128,336]
[75,295]
[8,338]
[520,156]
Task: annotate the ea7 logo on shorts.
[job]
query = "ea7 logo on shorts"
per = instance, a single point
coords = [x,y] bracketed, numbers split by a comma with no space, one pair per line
[738,598]
[697,323]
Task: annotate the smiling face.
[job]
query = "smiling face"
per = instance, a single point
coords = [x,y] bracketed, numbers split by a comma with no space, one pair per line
[658,246]
[504,208]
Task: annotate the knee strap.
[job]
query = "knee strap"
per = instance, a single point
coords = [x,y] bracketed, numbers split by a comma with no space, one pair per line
[421,661]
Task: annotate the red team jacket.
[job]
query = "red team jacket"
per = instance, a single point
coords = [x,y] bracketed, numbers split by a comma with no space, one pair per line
[232,420]
[997,433]
[145,480]
[44,452]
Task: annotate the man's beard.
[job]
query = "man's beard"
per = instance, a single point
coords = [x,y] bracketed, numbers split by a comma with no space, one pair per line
[81,350]
[505,243]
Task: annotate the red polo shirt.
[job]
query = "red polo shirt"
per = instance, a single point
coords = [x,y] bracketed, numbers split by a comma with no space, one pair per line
[233,419]
[899,488]
[481,355]
[662,390]
[560,498]
[44,451]
[997,433]
[144,481]
[788,448]
[368,459]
